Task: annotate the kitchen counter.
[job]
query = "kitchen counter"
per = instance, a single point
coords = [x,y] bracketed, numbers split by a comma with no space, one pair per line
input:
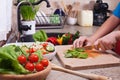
[66,28]
[72,29]
[113,72]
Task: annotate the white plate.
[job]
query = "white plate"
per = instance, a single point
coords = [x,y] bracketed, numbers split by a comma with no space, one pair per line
[49,56]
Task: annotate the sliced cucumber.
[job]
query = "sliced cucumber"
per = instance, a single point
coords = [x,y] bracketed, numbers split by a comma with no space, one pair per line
[50,48]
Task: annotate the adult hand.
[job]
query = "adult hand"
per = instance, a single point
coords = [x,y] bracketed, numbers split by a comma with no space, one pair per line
[82,41]
[107,42]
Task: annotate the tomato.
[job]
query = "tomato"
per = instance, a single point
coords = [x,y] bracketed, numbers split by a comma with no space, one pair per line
[22,59]
[39,67]
[45,45]
[33,58]
[44,52]
[29,66]
[44,62]
[32,50]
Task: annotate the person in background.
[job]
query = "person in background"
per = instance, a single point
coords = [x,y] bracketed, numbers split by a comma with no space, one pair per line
[105,37]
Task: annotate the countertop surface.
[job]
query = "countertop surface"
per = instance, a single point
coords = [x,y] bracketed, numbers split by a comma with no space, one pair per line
[72,29]
[113,72]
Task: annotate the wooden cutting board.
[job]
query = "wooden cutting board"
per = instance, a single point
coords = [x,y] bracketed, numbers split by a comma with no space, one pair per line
[103,60]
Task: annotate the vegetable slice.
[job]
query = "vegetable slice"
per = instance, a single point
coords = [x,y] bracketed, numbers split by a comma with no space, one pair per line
[50,48]
[76,53]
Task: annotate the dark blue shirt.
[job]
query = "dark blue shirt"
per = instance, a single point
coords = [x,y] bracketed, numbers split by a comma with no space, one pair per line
[116,12]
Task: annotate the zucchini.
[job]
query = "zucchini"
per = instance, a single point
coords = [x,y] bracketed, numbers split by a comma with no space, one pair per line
[50,48]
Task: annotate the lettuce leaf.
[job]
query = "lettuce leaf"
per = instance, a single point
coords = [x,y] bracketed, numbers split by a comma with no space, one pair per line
[9,62]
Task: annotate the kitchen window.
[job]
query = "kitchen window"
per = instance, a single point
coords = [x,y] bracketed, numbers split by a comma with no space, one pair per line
[5,18]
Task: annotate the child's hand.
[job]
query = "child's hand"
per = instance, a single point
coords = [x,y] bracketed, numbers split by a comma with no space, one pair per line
[107,42]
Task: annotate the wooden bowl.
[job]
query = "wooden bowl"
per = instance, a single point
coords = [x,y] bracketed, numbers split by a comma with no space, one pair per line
[35,76]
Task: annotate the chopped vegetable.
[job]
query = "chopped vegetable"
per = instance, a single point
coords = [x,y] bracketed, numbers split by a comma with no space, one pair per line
[50,48]
[76,53]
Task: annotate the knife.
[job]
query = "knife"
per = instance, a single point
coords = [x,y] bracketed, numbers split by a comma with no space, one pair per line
[90,47]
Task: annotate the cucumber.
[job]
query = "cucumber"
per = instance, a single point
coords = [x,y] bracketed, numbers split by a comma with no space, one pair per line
[50,48]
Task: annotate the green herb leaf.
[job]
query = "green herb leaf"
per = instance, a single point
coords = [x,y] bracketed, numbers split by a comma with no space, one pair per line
[76,53]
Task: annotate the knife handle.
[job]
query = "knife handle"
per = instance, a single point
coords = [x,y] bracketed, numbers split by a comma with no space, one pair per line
[98,46]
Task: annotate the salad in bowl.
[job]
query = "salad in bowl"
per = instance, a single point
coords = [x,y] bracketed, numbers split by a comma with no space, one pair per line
[25,61]
[47,48]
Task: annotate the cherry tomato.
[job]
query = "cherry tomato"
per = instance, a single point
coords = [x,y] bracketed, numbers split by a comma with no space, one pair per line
[32,50]
[33,58]
[45,45]
[39,67]
[44,62]
[29,66]
[44,52]
[22,59]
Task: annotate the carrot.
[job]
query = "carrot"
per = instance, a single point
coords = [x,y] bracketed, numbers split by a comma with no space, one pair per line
[92,53]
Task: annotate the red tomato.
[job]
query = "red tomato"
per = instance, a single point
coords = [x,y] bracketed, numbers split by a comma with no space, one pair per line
[44,52]
[33,58]
[29,66]
[45,45]
[39,67]
[32,50]
[44,62]
[22,59]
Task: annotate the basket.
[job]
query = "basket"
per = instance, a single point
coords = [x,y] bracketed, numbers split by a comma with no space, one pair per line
[34,76]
